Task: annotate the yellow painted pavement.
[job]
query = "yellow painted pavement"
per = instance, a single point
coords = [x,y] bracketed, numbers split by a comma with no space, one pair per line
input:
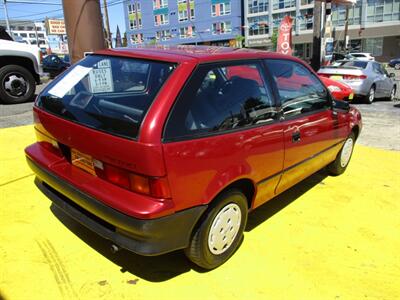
[326,238]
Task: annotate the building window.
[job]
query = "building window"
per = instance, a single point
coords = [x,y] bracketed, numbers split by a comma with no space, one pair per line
[258,6]
[163,35]
[306,20]
[160,4]
[185,10]
[383,11]
[339,15]
[221,9]
[277,18]
[137,38]
[24,35]
[373,46]
[221,28]
[281,4]
[306,2]
[258,25]
[161,19]
[187,32]
[135,16]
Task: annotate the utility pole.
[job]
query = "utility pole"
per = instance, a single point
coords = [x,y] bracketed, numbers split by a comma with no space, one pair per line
[108,33]
[346,29]
[6,15]
[318,34]
[84,27]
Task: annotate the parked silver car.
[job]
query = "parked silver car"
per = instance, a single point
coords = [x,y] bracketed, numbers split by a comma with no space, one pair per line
[368,79]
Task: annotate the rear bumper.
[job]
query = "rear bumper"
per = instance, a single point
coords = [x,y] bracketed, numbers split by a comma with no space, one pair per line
[145,237]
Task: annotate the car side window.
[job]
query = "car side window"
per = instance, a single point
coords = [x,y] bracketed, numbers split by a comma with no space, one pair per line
[219,98]
[299,89]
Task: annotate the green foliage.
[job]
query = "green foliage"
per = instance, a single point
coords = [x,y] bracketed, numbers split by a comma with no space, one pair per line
[274,38]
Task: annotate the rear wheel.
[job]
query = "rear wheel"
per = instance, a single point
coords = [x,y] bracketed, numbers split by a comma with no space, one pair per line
[220,231]
[16,84]
[339,165]
[392,94]
[371,95]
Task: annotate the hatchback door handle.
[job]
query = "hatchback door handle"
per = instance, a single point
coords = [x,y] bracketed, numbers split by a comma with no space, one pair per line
[296,137]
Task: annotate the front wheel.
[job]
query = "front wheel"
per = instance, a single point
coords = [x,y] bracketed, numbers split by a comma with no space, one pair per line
[339,165]
[397,66]
[16,84]
[220,230]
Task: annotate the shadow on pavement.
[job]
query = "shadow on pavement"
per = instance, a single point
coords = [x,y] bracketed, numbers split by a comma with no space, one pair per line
[270,208]
[164,267]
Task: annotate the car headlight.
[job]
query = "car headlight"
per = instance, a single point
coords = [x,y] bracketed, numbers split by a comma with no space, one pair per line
[334,88]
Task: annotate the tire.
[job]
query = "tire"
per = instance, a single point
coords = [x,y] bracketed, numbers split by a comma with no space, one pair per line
[397,66]
[339,165]
[392,94]
[212,243]
[17,84]
[371,95]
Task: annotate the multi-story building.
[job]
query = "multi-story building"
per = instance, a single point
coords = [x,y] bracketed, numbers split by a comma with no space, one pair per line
[374,26]
[30,32]
[170,22]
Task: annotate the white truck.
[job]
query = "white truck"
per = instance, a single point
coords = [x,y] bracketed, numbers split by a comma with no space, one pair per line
[20,70]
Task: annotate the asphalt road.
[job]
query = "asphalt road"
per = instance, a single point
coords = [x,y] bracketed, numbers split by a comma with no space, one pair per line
[12,115]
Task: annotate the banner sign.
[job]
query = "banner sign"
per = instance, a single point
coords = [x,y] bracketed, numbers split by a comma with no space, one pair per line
[284,44]
[55,26]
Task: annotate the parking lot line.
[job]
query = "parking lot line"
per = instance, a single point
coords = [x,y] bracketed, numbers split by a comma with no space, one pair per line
[326,238]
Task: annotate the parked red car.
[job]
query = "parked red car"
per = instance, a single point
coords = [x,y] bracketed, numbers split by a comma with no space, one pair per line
[339,90]
[161,149]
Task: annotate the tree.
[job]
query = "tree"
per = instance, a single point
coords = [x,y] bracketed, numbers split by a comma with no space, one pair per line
[124,40]
[239,41]
[274,38]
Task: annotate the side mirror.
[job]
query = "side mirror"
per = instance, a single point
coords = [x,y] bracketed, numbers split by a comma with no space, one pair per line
[392,75]
[340,105]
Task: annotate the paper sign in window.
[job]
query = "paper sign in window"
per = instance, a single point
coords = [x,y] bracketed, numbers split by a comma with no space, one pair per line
[69,81]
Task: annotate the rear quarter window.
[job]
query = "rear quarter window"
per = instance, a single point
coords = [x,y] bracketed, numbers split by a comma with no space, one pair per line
[107,93]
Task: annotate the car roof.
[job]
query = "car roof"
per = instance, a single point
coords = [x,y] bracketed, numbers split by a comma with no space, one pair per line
[196,54]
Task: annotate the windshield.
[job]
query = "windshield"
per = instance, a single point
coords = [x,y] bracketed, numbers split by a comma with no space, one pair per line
[111,94]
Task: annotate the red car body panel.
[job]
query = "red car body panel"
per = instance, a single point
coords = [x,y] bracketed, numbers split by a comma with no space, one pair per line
[198,169]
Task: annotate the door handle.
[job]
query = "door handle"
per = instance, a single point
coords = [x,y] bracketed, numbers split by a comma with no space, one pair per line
[296,137]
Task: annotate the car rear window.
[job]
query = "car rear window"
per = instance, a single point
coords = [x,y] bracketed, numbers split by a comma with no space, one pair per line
[107,93]
[350,64]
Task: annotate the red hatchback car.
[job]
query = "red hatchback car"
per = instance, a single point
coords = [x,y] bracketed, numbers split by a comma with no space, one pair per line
[159,149]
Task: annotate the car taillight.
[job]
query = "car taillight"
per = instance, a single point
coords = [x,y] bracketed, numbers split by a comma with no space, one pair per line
[48,143]
[354,77]
[156,187]
[324,75]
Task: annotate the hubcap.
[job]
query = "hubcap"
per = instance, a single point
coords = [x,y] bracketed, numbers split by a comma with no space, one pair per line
[224,228]
[392,94]
[15,85]
[371,95]
[346,152]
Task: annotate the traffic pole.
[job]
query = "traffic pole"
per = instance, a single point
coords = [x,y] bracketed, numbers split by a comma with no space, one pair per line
[108,33]
[346,30]
[84,27]
[317,36]
[6,15]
